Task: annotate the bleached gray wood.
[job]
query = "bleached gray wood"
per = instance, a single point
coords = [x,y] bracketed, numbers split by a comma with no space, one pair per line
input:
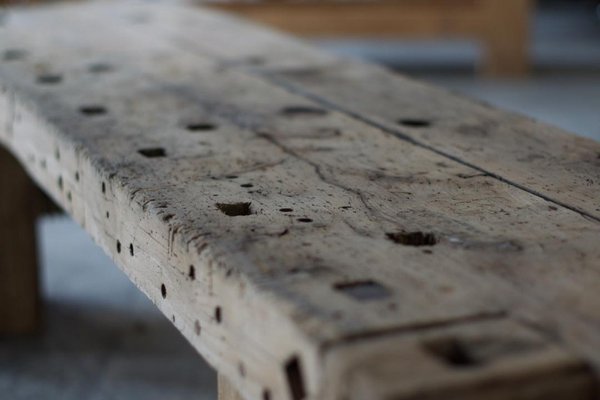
[303,247]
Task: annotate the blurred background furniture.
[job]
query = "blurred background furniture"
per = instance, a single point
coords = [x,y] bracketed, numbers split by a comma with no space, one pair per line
[501,26]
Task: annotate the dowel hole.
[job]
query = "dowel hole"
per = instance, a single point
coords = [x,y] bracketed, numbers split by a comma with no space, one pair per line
[131,253]
[286,210]
[92,110]
[293,372]
[197,328]
[118,247]
[100,68]
[192,272]
[452,352]
[305,220]
[413,238]
[103,188]
[200,126]
[414,122]
[154,152]
[218,316]
[266,395]
[13,54]
[363,290]
[246,185]
[49,79]
[235,209]
[163,291]
[297,111]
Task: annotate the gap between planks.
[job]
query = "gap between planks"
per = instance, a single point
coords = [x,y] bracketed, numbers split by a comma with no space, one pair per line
[332,106]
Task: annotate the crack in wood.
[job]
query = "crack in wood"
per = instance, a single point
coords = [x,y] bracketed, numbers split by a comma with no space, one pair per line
[294,89]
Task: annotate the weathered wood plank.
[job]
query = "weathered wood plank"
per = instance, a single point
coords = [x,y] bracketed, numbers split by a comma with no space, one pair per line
[534,156]
[456,363]
[228,392]
[19,298]
[287,237]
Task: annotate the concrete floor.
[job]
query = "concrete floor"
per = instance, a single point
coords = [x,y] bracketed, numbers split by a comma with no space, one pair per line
[104,340]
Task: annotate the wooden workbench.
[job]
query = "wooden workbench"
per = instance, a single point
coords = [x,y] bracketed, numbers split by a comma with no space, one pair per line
[316,228]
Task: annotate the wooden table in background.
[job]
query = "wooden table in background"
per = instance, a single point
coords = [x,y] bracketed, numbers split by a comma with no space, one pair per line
[502,27]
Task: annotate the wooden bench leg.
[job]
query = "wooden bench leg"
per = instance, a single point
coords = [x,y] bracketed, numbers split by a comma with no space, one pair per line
[19,205]
[226,390]
[506,31]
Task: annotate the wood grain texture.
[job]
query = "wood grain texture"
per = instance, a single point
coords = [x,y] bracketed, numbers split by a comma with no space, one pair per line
[262,195]
[226,390]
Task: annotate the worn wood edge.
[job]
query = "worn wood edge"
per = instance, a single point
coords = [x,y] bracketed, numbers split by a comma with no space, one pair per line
[226,391]
[238,299]
[407,367]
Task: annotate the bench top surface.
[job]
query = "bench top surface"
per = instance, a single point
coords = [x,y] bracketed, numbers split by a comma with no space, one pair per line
[315,227]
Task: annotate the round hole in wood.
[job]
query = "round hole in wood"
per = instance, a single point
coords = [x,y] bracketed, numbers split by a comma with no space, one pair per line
[163,291]
[92,110]
[100,68]
[49,79]
[13,54]
[302,110]
[200,126]
[414,122]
